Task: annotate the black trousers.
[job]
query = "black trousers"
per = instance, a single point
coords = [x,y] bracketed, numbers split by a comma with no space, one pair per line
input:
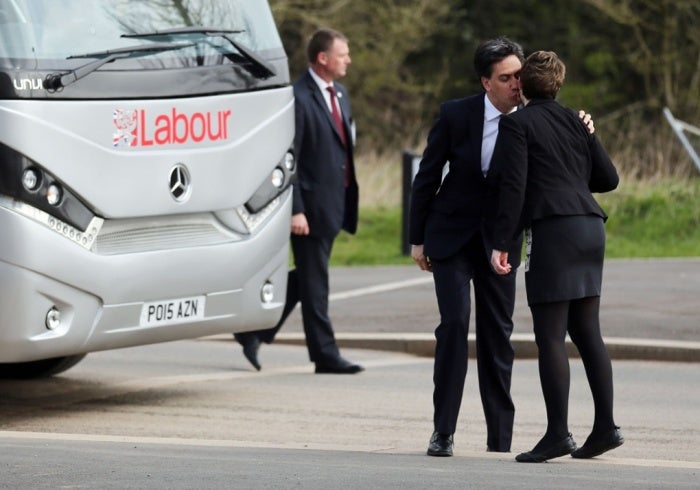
[494,298]
[309,284]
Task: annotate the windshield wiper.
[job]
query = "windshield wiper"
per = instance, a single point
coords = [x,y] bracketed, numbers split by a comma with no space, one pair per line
[258,68]
[54,81]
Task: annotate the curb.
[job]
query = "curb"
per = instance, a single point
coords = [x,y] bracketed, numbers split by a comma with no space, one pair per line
[523,345]
[423,344]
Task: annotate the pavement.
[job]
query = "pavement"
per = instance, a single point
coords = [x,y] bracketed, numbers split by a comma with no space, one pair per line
[650,310]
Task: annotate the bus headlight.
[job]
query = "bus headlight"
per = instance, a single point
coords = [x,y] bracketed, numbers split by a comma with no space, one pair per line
[30,179]
[54,194]
[279,179]
[289,160]
[28,183]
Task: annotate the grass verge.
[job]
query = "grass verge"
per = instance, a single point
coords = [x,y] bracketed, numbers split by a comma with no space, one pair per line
[659,218]
[377,241]
[653,218]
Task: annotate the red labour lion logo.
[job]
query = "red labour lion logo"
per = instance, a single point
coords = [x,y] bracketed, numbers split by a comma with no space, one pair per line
[126,123]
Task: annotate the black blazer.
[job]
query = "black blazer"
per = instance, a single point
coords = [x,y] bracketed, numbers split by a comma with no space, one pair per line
[319,191]
[445,215]
[546,163]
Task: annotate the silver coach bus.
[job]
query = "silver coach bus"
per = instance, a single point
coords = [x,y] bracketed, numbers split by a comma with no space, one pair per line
[145,172]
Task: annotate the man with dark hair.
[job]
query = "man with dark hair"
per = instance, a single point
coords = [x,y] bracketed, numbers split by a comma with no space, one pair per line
[447,238]
[325,199]
[448,218]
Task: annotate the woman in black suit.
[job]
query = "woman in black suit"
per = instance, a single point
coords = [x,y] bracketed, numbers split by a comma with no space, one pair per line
[544,168]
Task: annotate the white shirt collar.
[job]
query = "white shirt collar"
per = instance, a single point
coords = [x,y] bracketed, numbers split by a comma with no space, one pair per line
[322,84]
[490,111]
[490,133]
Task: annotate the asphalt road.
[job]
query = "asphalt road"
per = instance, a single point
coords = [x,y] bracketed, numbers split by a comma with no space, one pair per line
[650,310]
[642,298]
[193,414]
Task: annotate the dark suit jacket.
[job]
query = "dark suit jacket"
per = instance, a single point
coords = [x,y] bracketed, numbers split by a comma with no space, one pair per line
[445,216]
[546,163]
[319,191]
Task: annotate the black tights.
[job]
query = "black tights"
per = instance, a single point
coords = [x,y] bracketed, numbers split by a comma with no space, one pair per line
[580,318]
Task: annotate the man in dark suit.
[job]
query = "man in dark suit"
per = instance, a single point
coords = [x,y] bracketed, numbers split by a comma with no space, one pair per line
[325,198]
[447,236]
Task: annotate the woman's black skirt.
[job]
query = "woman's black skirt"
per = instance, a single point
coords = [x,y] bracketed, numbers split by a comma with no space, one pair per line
[564,258]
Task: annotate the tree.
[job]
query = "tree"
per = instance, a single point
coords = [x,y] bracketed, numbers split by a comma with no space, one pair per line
[662,47]
[389,96]
[626,59]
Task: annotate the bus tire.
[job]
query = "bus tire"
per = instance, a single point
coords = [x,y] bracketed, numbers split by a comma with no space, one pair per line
[38,369]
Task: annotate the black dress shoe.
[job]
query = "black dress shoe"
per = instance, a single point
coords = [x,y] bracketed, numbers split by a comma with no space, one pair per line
[561,448]
[595,446]
[251,346]
[440,444]
[338,366]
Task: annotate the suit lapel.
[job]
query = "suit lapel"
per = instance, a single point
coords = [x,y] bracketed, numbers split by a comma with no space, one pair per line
[475,122]
[322,106]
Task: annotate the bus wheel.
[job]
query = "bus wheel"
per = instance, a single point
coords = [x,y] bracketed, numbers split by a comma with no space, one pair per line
[38,369]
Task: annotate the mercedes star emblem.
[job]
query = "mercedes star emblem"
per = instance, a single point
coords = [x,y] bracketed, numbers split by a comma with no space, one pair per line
[180,184]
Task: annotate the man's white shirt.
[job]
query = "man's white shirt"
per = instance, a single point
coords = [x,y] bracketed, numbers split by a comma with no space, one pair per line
[323,87]
[488,141]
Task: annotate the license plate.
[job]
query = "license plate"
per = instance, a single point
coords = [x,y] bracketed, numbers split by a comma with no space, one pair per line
[172,311]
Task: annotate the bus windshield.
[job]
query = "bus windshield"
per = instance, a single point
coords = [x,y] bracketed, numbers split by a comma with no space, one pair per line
[42,34]
[98,49]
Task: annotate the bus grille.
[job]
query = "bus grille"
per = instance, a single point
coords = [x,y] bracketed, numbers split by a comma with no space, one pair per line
[132,237]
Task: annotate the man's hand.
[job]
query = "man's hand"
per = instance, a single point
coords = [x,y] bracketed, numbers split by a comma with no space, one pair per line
[420,259]
[499,261]
[299,224]
[587,120]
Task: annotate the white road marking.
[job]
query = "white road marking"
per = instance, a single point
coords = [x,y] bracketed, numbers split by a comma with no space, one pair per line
[380,288]
[181,441]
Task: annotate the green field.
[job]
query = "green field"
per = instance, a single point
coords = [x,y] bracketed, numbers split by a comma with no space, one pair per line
[646,219]
[653,219]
